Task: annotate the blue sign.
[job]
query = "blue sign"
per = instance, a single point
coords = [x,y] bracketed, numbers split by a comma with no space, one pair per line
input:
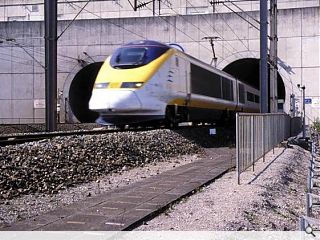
[308,100]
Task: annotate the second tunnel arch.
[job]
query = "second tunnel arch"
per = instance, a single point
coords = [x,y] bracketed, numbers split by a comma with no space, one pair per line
[247,70]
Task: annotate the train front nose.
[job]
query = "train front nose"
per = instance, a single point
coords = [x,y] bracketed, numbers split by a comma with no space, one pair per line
[115,101]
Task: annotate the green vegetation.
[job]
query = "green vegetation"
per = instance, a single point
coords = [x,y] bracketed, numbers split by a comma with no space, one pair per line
[316,125]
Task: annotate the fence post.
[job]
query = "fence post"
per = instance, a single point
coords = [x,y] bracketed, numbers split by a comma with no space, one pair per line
[274,135]
[237,148]
[252,141]
[302,224]
[263,138]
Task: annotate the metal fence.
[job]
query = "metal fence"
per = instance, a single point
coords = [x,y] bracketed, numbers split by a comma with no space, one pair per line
[257,134]
[310,222]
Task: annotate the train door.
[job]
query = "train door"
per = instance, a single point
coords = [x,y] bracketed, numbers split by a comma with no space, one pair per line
[179,89]
[177,78]
[187,80]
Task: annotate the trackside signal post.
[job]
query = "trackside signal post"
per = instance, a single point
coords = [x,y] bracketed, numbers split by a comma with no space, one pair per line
[51,64]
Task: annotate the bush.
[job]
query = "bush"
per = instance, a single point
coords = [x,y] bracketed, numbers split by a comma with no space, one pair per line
[316,125]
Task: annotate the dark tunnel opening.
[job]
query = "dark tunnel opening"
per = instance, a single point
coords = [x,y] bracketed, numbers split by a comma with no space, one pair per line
[80,92]
[247,70]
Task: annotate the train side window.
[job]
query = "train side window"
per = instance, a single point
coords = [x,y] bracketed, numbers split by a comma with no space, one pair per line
[177,62]
[250,97]
[256,99]
[241,93]
[231,89]
[227,89]
[204,82]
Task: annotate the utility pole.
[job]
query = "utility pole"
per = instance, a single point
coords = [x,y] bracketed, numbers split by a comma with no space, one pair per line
[51,64]
[273,57]
[264,56]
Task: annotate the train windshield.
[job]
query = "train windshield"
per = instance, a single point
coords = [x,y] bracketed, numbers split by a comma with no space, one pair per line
[132,57]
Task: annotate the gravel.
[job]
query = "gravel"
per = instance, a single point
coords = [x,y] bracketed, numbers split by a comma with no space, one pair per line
[6,129]
[31,205]
[39,177]
[271,198]
[51,165]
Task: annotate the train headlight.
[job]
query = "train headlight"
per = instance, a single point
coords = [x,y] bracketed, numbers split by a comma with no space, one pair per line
[101,85]
[131,84]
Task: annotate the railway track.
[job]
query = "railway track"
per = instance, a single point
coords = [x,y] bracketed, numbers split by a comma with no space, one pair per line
[13,139]
[19,138]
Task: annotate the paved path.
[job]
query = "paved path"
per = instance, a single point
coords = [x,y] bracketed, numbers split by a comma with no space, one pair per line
[127,207]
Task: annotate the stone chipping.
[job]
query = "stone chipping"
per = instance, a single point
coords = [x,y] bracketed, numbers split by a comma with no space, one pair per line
[48,166]
[10,129]
[68,169]
[272,198]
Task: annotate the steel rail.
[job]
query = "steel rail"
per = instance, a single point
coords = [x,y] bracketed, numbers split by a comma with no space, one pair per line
[19,138]
[30,137]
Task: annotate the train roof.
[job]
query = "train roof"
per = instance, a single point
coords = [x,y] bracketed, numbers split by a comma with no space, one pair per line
[152,43]
[146,43]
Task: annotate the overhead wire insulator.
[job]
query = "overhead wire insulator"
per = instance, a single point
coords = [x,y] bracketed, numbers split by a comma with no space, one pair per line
[214,3]
[141,5]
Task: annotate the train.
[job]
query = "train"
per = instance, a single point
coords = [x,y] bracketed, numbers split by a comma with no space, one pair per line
[148,81]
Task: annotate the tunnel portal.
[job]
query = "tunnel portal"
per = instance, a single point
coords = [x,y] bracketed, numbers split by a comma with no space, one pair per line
[247,70]
[80,92]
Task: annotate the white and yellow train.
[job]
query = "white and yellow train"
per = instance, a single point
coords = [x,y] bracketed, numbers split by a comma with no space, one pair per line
[145,81]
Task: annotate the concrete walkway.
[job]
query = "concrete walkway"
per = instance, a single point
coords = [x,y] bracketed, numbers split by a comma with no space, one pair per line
[127,207]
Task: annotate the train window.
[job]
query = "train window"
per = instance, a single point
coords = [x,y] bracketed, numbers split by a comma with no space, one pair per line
[133,57]
[250,97]
[227,89]
[204,82]
[256,98]
[241,93]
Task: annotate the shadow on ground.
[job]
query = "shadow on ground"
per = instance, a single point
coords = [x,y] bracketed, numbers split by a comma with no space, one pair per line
[224,137]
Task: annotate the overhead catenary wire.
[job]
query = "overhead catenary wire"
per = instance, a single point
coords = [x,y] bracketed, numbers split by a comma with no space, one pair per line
[24,47]
[63,31]
[162,18]
[240,16]
[246,47]
[31,49]
[184,18]
[143,37]
[243,11]
[220,35]
[214,29]
[115,2]
[29,54]
[117,25]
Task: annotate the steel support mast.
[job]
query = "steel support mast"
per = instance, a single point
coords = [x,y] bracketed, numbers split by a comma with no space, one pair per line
[51,64]
[273,57]
[264,56]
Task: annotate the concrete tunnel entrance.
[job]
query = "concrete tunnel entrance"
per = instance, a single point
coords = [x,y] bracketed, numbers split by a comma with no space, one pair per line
[80,93]
[247,70]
